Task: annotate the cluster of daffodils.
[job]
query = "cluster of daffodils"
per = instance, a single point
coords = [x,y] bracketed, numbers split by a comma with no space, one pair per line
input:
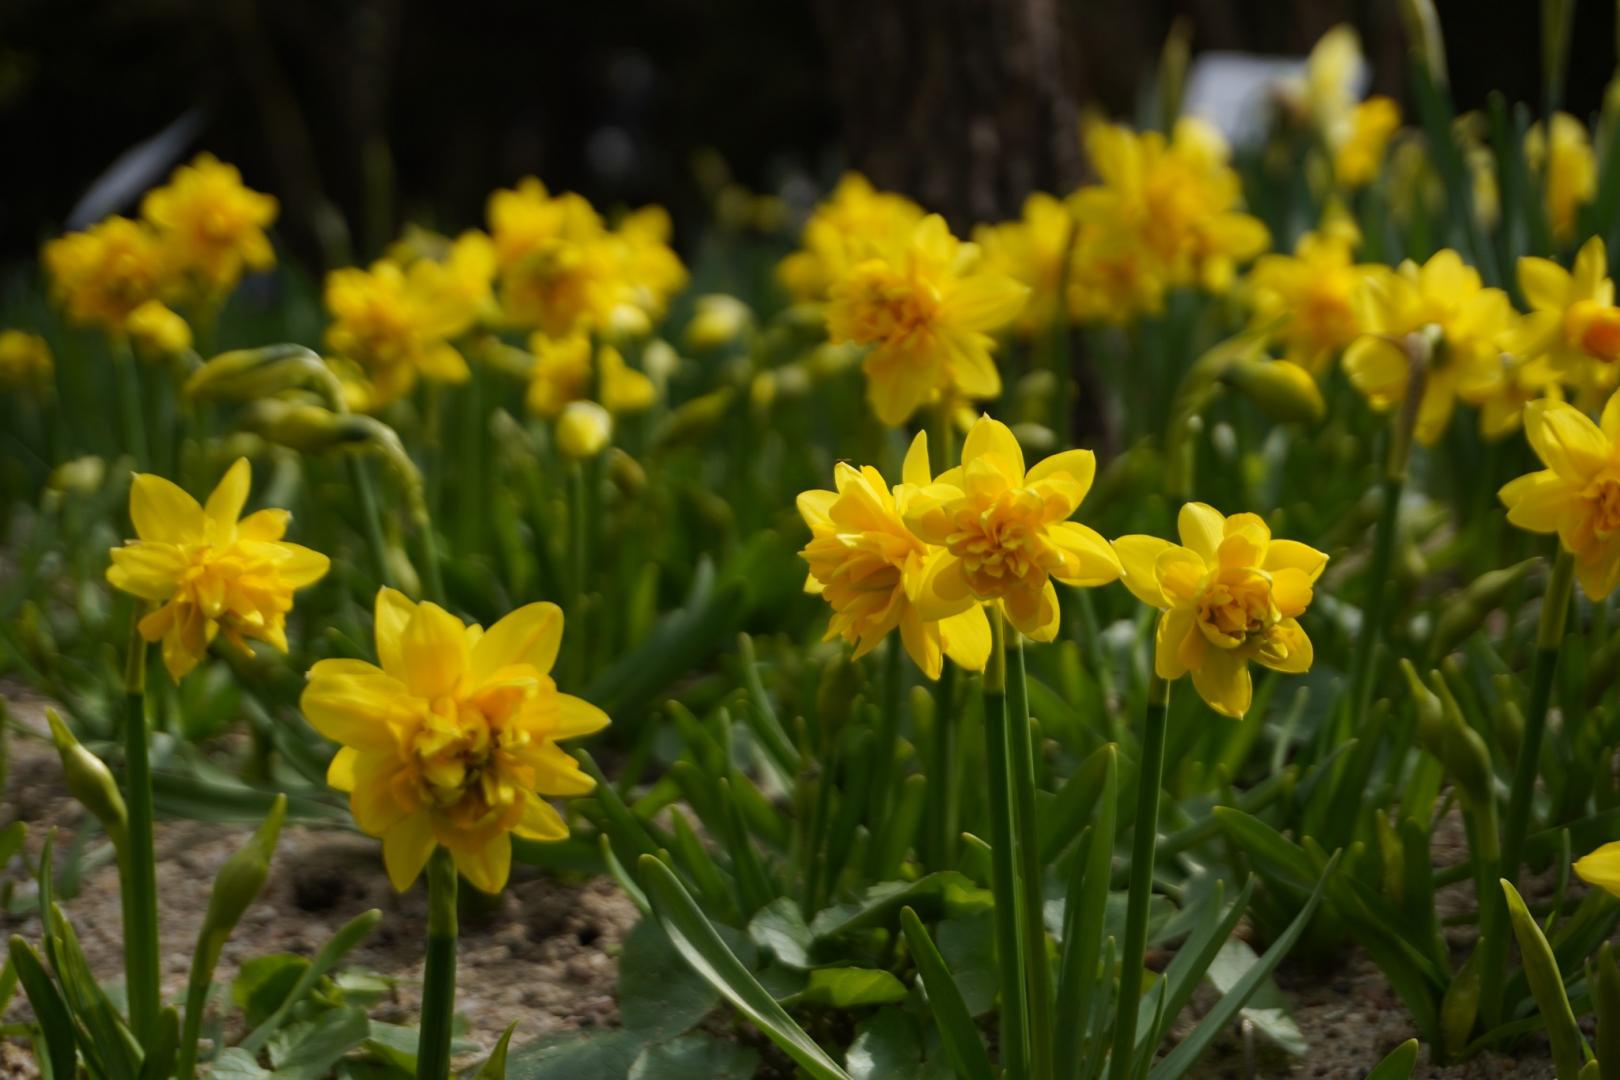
[548,266]
[450,740]
[937,553]
[195,238]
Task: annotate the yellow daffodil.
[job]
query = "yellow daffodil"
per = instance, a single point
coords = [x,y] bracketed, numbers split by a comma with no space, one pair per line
[452,740]
[157,331]
[1577,495]
[465,269]
[1601,867]
[717,321]
[103,274]
[1515,383]
[211,224]
[1032,250]
[1310,296]
[1114,277]
[396,323]
[1006,532]
[1358,151]
[25,361]
[563,372]
[870,568]
[558,269]
[1442,301]
[1230,594]
[924,308]
[650,268]
[1568,168]
[208,569]
[1177,199]
[853,224]
[1573,320]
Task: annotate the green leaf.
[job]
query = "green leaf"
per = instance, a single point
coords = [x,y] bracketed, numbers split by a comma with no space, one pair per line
[307,1050]
[1267,1008]
[850,988]
[698,942]
[944,893]
[264,982]
[780,929]
[49,1009]
[887,1046]
[968,945]
[234,1063]
[337,946]
[695,1056]
[397,1044]
[1547,986]
[1606,1003]
[1190,1049]
[1398,1064]
[494,1067]
[1085,907]
[660,996]
[1063,818]
[957,1031]
[600,1055]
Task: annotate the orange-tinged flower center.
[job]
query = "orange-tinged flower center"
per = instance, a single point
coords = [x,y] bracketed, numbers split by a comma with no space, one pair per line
[885,306]
[465,768]
[1604,497]
[1235,605]
[1594,328]
[1000,544]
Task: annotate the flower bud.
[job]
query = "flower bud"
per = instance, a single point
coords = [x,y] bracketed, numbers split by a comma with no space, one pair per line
[695,419]
[90,782]
[660,361]
[82,476]
[1284,391]
[583,430]
[626,472]
[1423,36]
[626,323]
[157,331]
[25,361]
[251,374]
[1465,611]
[717,321]
[242,877]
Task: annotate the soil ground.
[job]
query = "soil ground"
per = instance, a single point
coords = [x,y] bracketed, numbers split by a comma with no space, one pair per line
[544,955]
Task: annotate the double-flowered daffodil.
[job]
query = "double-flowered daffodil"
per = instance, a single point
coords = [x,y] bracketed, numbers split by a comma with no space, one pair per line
[1568,169]
[924,307]
[452,740]
[1230,594]
[870,568]
[1458,320]
[1577,495]
[1310,296]
[209,570]
[1573,321]
[211,224]
[1006,532]
[102,274]
[851,225]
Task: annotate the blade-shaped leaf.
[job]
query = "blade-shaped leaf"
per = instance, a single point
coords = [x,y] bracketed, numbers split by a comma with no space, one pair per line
[957,1032]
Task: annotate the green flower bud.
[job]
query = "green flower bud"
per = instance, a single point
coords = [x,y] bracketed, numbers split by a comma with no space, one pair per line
[1285,392]
[251,374]
[240,880]
[1466,610]
[90,782]
[1459,1009]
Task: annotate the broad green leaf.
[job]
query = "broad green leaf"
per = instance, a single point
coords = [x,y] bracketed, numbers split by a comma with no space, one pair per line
[264,982]
[599,1055]
[851,988]
[1267,1009]
[946,893]
[968,946]
[887,1046]
[698,942]
[660,996]
[337,946]
[780,929]
[957,1031]
[396,1044]
[234,1063]
[307,1049]
[1190,1049]
[695,1056]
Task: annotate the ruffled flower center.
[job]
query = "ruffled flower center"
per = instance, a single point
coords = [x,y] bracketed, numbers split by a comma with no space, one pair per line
[1235,606]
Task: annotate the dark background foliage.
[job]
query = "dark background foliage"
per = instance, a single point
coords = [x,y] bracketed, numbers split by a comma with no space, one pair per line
[361,113]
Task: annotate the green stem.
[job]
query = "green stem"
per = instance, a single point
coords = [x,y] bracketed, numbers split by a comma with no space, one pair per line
[1554,612]
[439,978]
[1003,861]
[1372,619]
[140,883]
[943,802]
[1143,845]
[370,519]
[129,402]
[888,741]
[1032,895]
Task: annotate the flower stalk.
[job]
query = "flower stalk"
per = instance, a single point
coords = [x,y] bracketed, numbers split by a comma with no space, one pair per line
[1144,845]
[439,977]
[140,881]
[1032,896]
[1015,1049]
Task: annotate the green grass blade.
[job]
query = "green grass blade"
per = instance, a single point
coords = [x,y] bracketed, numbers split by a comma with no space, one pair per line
[1398,1063]
[50,1010]
[957,1032]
